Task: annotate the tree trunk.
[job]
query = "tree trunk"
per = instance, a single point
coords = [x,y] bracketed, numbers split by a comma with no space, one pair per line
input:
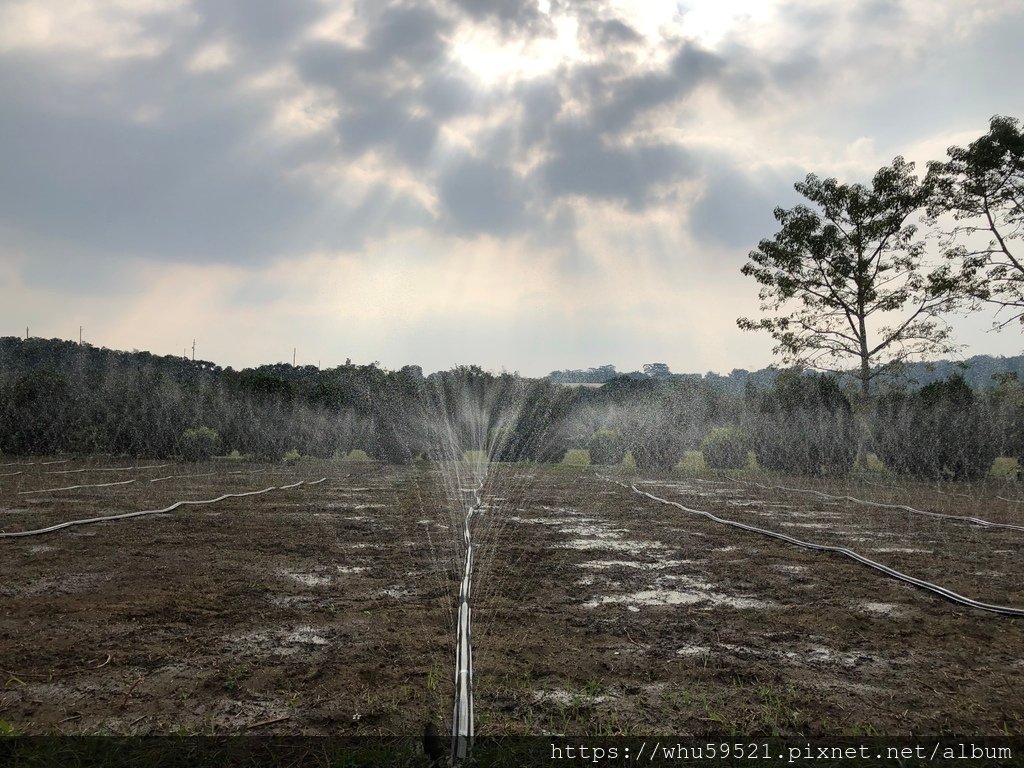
[861,407]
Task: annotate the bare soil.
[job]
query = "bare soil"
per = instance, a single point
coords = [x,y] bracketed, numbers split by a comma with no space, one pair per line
[328,609]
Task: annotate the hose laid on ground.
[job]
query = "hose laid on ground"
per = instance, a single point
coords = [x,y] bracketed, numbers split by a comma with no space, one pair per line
[73,487]
[101,469]
[926,585]
[462,716]
[175,477]
[11,474]
[171,508]
[940,515]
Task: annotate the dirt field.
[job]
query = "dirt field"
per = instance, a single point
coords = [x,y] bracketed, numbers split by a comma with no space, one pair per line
[328,608]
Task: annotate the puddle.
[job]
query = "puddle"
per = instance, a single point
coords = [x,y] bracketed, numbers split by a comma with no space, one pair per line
[882,609]
[819,654]
[791,568]
[305,636]
[693,650]
[656,566]
[696,592]
[565,698]
[280,642]
[352,568]
[308,579]
[395,591]
[633,547]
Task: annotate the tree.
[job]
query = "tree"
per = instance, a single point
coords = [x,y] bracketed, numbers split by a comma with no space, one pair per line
[803,424]
[725,448]
[606,447]
[942,431]
[846,283]
[198,444]
[982,187]
[657,370]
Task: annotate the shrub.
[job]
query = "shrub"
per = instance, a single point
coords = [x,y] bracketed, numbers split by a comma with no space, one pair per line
[943,431]
[606,447]
[658,450]
[804,425]
[725,448]
[198,444]
[292,456]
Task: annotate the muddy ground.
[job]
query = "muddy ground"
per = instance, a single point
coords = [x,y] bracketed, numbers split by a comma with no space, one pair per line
[327,609]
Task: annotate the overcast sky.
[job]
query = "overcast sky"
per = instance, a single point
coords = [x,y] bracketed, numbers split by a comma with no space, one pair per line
[520,184]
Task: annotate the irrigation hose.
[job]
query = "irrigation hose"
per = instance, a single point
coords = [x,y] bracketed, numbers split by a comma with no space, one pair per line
[866,502]
[73,487]
[176,505]
[102,469]
[462,715]
[893,573]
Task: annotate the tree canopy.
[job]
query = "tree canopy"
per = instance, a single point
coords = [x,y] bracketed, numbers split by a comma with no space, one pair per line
[844,280]
[982,188]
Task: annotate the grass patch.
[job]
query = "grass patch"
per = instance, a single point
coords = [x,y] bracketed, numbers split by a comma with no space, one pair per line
[692,461]
[577,457]
[1004,468]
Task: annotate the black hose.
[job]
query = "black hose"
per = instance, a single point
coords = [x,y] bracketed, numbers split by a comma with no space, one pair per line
[921,583]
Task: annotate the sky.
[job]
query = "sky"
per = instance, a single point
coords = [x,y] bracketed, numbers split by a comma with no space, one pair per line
[526,185]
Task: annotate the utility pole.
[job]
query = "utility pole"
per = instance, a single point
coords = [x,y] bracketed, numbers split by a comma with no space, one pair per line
[26,333]
[193,350]
[79,335]
[293,357]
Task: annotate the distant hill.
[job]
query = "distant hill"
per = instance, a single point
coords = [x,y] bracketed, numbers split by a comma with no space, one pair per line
[978,371]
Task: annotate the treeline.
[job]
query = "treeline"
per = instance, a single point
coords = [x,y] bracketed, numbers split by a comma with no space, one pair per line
[807,424]
[979,372]
[59,397]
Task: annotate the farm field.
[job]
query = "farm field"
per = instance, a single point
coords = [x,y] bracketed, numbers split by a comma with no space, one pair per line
[328,608]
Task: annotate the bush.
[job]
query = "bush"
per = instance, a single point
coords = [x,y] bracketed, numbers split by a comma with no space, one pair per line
[804,425]
[198,444]
[658,450]
[725,448]
[606,447]
[943,431]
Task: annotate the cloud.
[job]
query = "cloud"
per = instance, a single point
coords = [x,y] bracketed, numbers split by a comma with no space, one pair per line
[611,33]
[481,197]
[583,164]
[510,15]
[735,208]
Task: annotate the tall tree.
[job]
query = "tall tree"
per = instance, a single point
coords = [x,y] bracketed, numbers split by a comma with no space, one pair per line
[982,188]
[844,283]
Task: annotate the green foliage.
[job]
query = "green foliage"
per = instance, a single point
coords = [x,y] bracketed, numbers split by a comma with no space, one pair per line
[199,444]
[1008,416]
[606,447]
[725,448]
[851,256]
[292,456]
[577,457]
[803,425]
[942,431]
[982,188]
